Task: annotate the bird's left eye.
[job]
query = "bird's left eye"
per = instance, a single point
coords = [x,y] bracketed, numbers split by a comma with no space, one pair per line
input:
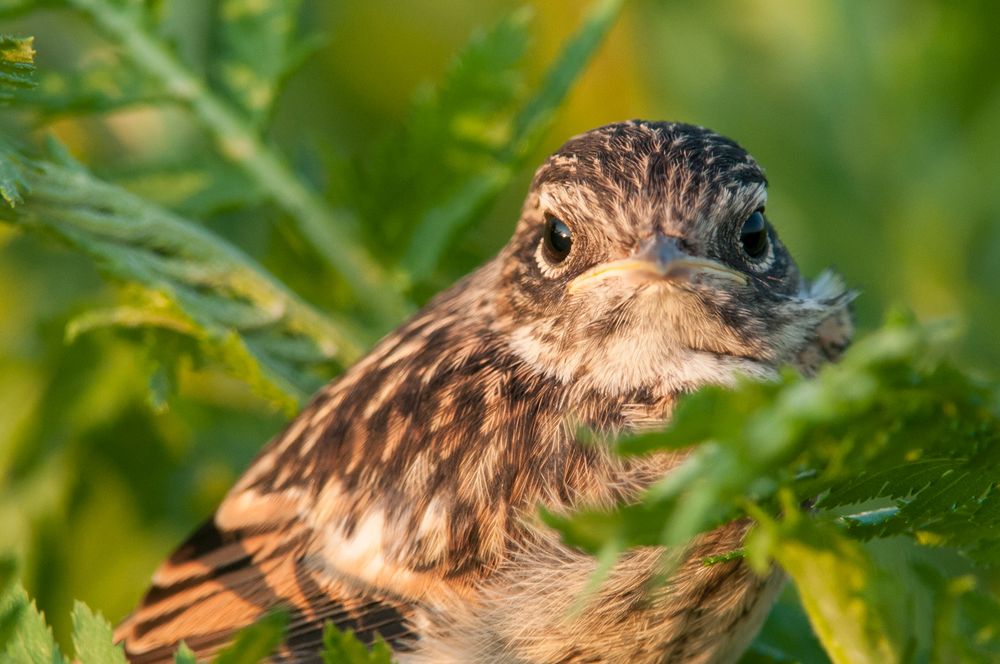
[753,235]
[558,239]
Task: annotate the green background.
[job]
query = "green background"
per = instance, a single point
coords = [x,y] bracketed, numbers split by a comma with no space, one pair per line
[878,125]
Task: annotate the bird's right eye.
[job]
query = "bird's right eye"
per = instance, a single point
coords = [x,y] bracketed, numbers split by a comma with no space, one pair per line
[753,235]
[558,239]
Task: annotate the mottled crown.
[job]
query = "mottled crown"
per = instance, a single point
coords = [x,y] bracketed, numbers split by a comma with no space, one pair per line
[678,167]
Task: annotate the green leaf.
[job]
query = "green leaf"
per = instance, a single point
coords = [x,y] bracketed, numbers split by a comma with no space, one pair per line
[193,283]
[848,600]
[704,415]
[199,188]
[343,647]
[17,64]
[889,422]
[98,86]
[13,177]
[184,655]
[257,48]
[893,482]
[590,529]
[93,638]
[256,642]
[32,641]
[155,315]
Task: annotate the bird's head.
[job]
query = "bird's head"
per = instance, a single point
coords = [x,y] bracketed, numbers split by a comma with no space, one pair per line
[644,258]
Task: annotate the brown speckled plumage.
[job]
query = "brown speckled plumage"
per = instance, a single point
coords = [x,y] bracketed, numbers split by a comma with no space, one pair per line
[401,500]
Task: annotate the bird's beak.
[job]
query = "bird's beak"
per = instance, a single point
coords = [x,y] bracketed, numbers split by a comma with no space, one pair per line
[660,259]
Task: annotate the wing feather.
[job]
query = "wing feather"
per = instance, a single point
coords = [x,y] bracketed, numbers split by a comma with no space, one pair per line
[345,516]
[220,581]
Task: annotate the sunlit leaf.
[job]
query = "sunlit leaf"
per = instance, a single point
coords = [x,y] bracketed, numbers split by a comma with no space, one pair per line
[17,64]
[92,638]
[848,600]
[343,647]
[32,640]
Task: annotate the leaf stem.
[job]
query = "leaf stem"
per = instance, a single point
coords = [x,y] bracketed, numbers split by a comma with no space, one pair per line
[260,330]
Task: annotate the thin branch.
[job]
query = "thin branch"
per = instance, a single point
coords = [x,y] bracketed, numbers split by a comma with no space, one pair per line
[331,232]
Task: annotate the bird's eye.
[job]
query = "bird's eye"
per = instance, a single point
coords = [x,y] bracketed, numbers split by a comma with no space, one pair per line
[558,239]
[753,235]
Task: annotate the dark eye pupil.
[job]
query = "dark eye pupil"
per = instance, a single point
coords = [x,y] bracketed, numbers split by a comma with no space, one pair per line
[753,235]
[558,239]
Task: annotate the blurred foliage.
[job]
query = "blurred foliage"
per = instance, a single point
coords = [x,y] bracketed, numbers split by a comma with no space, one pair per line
[890,427]
[196,286]
[341,646]
[887,421]
[17,65]
[241,166]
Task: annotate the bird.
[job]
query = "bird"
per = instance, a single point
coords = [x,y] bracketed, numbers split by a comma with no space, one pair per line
[402,502]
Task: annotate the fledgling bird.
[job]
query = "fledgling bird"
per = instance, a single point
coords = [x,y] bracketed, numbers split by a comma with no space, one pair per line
[402,500]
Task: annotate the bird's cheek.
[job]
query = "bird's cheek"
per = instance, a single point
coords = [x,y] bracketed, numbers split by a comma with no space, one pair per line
[713,328]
